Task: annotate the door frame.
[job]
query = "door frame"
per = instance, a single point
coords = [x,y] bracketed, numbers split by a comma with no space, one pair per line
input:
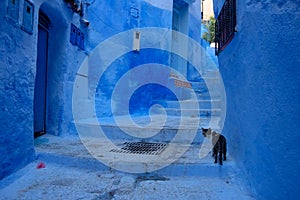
[44,23]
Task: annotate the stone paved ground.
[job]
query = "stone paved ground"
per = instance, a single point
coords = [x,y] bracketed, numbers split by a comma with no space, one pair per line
[70,173]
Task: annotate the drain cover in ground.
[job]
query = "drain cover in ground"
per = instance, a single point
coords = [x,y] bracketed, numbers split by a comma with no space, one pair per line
[141,148]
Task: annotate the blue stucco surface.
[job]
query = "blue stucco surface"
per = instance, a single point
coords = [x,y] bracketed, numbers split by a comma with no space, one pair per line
[260,70]
[141,101]
[18,56]
[16,97]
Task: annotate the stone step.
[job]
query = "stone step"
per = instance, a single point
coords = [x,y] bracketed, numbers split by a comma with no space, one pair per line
[154,129]
[209,96]
[215,93]
[188,112]
[199,86]
[137,133]
[211,73]
[209,103]
[204,82]
[191,104]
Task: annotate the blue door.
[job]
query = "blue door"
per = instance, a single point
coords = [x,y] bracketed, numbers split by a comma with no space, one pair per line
[41,83]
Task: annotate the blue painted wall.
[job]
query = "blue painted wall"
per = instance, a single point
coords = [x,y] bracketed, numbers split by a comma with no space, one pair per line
[18,55]
[18,66]
[16,96]
[260,69]
[134,14]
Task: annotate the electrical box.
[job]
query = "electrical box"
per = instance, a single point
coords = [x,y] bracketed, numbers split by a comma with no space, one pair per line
[13,10]
[28,17]
[136,40]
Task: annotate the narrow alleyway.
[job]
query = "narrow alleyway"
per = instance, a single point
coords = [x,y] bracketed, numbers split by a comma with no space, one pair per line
[108,99]
[72,173]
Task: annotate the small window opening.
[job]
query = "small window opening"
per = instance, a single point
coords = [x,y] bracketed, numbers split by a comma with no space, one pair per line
[28,9]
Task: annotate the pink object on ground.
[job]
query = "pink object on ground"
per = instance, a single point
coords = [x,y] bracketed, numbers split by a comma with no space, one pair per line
[41,165]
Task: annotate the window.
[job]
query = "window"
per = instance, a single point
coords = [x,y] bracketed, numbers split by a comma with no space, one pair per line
[77,37]
[13,10]
[28,17]
[225,25]
[73,34]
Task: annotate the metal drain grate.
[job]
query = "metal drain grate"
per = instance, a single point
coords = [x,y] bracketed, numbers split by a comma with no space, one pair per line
[141,148]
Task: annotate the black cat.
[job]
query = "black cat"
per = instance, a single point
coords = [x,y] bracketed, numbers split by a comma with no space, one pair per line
[219,144]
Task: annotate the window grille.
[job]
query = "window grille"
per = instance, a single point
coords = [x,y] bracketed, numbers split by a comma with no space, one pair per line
[44,20]
[225,25]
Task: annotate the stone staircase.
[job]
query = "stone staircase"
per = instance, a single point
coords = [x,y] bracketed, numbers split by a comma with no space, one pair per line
[207,100]
[171,122]
[167,118]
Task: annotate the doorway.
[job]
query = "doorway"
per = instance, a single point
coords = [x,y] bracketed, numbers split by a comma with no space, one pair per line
[40,90]
[179,24]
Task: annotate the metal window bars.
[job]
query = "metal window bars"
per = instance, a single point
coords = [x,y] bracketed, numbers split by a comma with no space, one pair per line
[225,25]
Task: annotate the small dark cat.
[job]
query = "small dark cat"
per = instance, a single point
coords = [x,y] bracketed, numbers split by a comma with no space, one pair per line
[219,144]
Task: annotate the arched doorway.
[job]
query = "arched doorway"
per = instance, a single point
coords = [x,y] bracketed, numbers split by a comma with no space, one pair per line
[53,27]
[40,90]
